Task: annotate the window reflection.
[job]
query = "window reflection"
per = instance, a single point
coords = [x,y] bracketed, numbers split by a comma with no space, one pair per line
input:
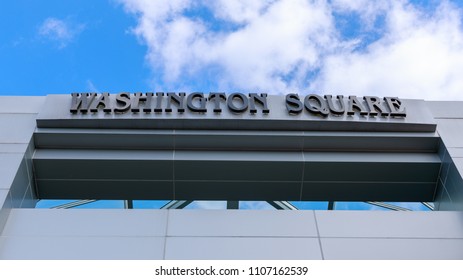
[244,205]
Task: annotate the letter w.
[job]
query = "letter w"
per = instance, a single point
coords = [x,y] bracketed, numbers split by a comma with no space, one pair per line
[82,101]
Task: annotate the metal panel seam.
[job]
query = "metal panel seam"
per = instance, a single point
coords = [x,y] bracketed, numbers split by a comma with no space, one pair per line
[318,235]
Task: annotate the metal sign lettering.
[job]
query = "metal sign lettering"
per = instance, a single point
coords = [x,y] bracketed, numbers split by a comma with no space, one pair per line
[237,103]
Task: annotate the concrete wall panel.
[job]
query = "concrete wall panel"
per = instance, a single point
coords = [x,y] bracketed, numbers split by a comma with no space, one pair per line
[242,248]
[5,207]
[21,104]
[16,128]
[210,234]
[81,248]
[391,249]
[9,165]
[86,222]
[241,223]
[377,224]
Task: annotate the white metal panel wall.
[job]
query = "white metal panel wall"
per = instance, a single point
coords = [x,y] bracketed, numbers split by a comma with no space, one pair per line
[17,124]
[230,234]
[449,118]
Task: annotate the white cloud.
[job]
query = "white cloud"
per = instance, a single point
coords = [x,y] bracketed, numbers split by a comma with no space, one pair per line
[59,31]
[367,9]
[418,57]
[273,41]
[91,86]
[297,45]
[283,41]
[239,11]
[261,205]
[205,204]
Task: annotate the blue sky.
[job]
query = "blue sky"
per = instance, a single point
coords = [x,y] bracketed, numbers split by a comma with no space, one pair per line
[261,205]
[86,44]
[411,49]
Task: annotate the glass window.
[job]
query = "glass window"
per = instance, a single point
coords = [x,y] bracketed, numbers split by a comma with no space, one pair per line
[257,205]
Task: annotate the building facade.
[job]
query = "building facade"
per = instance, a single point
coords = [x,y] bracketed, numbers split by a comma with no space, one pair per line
[236,147]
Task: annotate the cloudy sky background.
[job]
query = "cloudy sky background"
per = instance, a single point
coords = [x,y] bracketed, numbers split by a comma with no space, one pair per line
[409,49]
[404,48]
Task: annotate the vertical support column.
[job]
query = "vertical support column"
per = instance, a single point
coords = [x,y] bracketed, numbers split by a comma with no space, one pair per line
[17,125]
[233,204]
[331,205]
[449,188]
